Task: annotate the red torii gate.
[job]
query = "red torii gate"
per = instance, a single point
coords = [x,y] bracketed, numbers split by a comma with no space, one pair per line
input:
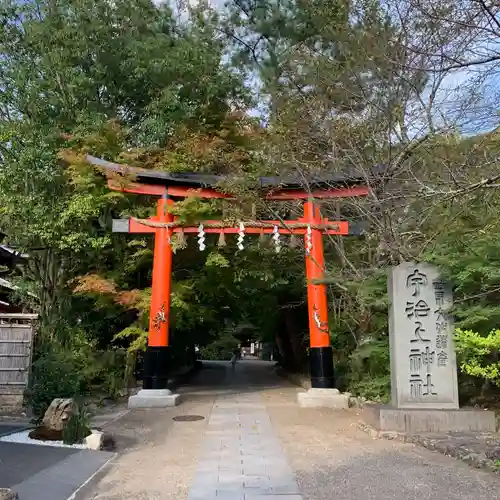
[312,225]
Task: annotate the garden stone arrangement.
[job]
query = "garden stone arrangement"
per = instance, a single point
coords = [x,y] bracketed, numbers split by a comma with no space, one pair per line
[65,424]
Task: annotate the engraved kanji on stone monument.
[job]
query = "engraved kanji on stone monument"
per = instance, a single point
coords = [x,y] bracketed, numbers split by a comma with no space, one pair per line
[423,362]
[414,280]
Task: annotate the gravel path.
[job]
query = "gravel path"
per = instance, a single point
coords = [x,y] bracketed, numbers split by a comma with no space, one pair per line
[333,458]
[328,455]
[158,456]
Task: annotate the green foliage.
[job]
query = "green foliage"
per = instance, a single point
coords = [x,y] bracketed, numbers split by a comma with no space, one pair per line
[62,372]
[369,375]
[131,82]
[77,427]
[479,355]
[468,253]
[221,349]
[138,338]
[113,369]
[103,79]
[55,374]
[216,259]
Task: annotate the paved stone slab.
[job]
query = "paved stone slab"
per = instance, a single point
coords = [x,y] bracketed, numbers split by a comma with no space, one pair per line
[241,458]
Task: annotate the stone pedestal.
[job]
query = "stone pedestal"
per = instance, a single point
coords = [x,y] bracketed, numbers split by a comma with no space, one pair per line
[153,398]
[422,421]
[323,398]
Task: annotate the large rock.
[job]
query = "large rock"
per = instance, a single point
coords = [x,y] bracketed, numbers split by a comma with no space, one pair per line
[6,494]
[43,434]
[58,413]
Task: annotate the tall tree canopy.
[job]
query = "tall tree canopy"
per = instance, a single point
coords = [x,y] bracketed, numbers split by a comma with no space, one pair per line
[105,77]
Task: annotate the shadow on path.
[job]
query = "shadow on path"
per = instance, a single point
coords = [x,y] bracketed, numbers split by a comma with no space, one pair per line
[220,378]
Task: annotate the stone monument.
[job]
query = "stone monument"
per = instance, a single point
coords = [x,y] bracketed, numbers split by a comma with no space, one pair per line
[423,362]
[424,387]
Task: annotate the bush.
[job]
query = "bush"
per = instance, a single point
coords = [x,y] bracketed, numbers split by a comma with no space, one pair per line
[369,374]
[55,374]
[112,371]
[222,349]
[478,356]
[77,428]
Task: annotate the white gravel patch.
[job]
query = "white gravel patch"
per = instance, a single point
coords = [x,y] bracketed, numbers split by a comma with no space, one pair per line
[23,438]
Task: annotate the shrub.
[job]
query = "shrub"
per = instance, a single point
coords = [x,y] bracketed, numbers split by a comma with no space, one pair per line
[55,374]
[222,349]
[369,374]
[478,356]
[112,371]
[77,428]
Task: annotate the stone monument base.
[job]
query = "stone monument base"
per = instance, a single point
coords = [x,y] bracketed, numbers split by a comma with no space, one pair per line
[417,421]
[323,398]
[153,398]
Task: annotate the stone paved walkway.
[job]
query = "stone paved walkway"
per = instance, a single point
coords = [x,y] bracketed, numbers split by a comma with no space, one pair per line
[255,443]
[241,458]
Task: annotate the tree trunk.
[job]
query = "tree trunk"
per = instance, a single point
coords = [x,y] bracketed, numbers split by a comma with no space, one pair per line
[294,334]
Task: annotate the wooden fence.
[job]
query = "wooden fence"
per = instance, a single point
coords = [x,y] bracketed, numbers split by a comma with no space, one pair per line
[16,345]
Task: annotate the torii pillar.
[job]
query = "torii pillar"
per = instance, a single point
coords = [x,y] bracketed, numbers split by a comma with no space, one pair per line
[323,392]
[155,392]
[320,353]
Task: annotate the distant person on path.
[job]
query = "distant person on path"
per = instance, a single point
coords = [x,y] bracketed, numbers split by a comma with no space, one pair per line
[235,356]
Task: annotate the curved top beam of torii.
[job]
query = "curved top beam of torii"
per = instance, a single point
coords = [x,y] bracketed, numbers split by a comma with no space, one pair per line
[155,182]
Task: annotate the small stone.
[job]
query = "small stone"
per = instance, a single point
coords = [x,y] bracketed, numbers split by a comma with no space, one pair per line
[95,440]
[7,494]
[389,435]
[494,454]
[100,441]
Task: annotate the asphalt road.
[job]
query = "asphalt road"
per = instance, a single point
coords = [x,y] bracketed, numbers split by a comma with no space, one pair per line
[46,472]
[19,462]
[7,428]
